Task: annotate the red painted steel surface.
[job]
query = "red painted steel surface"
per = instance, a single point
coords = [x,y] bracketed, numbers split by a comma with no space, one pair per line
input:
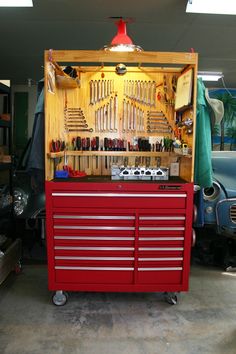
[118,236]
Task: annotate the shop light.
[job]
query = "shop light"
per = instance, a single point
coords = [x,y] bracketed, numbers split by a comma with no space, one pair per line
[122,42]
[220,7]
[16,3]
[210,75]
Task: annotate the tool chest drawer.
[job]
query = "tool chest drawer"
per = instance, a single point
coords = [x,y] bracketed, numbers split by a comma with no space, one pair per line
[106,236]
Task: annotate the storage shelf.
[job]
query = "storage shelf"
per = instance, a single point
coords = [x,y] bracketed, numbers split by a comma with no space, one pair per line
[54,155]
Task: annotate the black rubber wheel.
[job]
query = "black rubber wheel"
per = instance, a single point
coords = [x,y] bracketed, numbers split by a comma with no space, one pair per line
[171,298]
[60,299]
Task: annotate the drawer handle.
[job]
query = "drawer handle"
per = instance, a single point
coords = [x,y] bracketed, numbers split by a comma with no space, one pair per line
[93,238]
[94,248]
[161,248]
[95,217]
[123,195]
[96,258]
[165,228]
[161,238]
[159,269]
[94,227]
[162,217]
[94,268]
[161,259]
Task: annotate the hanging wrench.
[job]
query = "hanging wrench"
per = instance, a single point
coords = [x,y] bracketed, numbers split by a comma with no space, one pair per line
[115,112]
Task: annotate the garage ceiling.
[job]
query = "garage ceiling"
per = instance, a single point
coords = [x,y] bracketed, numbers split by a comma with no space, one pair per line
[160,25]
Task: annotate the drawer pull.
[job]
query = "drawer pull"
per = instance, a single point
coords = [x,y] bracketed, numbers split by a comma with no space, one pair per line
[93,268]
[161,259]
[99,238]
[94,227]
[96,217]
[161,248]
[162,217]
[165,228]
[96,258]
[159,269]
[122,195]
[161,238]
[94,248]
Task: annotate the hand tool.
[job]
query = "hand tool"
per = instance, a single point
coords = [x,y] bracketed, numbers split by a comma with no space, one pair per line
[115,112]
[141,92]
[104,117]
[97,148]
[78,148]
[102,90]
[132,116]
[124,115]
[98,119]
[71,125]
[76,120]
[91,90]
[128,116]
[149,93]
[72,109]
[107,116]
[111,113]
[138,90]
[95,91]
[98,90]
[163,131]
[88,148]
[105,148]
[153,94]
[81,130]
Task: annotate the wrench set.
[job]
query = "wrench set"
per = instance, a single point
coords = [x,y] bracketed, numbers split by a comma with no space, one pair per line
[157,123]
[143,92]
[100,89]
[133,117]
[106,116]
[74,120]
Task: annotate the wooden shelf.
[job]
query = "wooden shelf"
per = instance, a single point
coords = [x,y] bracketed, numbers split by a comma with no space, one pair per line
[54,155]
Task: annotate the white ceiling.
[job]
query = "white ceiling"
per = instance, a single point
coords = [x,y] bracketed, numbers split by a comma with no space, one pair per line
[160,25]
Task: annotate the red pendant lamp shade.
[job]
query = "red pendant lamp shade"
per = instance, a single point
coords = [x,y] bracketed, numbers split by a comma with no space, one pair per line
[121,37]
[122,42]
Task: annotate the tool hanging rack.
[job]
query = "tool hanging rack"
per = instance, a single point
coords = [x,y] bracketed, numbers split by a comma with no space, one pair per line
[102,104]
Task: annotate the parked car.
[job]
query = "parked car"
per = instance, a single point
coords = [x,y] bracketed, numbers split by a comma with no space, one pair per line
[219,201]
[216,221]
[29,196]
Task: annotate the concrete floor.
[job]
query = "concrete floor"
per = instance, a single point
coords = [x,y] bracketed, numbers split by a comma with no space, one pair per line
[203,321]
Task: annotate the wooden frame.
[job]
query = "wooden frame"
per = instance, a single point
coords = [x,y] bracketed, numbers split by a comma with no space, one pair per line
[162,62]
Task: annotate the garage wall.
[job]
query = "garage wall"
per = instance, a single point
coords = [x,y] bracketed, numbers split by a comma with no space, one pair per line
[32,100]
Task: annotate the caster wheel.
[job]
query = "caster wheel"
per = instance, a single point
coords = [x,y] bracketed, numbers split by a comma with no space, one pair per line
[171,298]
[60,298]
[18,268]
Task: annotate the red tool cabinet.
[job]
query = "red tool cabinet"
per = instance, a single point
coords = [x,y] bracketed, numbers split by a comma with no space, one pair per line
[109,231]
[119,236]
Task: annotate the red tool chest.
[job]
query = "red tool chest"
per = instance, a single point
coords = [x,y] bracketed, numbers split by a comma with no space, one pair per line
[119,236]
